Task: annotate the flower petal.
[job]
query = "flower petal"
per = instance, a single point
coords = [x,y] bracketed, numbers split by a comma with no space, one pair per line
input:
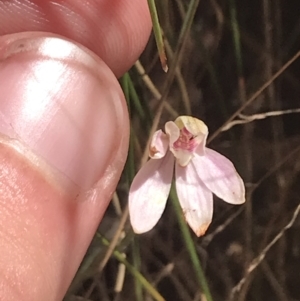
[149,192]
[172,131]
[194,197]
[183,157]
[219,175]
[159,145]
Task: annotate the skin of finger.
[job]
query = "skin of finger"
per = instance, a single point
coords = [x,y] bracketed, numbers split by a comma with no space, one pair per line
[44,232]
[116,30]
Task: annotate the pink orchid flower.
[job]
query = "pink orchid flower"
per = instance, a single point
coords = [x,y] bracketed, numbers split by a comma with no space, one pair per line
[199,172]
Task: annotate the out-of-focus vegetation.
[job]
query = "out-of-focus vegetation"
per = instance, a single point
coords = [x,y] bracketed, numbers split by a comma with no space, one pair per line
[236,67]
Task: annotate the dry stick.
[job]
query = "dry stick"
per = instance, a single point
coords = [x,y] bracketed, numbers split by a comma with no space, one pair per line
[121,274]
[256,261]
[149,84]
[147,80]
[114,241]
[110,249]
[255,95]
[247,119]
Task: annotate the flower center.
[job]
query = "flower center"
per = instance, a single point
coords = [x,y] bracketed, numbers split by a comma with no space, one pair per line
[186,141]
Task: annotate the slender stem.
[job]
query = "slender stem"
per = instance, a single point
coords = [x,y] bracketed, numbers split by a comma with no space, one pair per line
[190,246]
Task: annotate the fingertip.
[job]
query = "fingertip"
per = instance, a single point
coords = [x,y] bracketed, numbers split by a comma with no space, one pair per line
[63,102]
[64,140]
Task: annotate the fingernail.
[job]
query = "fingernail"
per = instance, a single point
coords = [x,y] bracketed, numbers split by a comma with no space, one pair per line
[62,102]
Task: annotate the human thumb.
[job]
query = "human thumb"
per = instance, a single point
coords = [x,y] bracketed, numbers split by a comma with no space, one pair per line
[63,144]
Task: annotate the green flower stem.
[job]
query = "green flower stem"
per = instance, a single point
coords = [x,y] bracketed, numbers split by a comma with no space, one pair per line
[136,258]
[190,246]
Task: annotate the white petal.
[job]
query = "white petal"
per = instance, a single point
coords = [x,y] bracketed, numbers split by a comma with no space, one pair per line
[195,199]
[159,145]
[182,156]
[149,192]
[173,132]
[219,175]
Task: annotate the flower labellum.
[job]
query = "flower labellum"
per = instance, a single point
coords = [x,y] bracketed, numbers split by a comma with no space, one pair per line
[200,172]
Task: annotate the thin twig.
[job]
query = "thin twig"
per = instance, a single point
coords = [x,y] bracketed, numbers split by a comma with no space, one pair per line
[150,85]
[255,95]
[110,250]
[257,261]
[208,238]
[246,119]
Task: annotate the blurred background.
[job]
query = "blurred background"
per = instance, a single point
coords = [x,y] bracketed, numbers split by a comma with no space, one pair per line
[235,64]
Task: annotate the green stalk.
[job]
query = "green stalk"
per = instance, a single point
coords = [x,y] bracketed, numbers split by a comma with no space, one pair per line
[190,246]
[137,265]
